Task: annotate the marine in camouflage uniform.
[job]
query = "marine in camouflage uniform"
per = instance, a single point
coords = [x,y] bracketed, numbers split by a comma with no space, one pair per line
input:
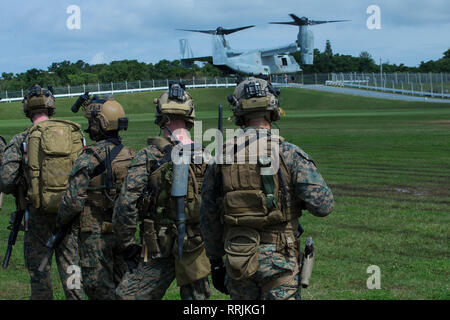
[145,198]
[90,197]
[2,147]
[40,224]
[259,242]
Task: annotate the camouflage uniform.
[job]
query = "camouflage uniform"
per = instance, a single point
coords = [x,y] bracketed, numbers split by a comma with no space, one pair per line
[277,275]
[101,259]
[151,279]
[2,148]
[40,229]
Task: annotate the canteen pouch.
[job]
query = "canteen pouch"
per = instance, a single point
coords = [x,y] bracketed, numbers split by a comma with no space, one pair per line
[151,239]
[195,264]
[241,246]
[165,241]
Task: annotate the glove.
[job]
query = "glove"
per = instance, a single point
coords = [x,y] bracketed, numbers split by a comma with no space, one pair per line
[218,272]
[131,255]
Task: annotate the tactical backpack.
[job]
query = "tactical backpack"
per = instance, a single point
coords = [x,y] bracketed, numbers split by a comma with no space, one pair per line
[159,216]
[50,150]
[256,208]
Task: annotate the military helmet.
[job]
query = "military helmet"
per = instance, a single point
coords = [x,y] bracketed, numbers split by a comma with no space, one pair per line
[254,98]
[39,100]
[176,103]
[105,114]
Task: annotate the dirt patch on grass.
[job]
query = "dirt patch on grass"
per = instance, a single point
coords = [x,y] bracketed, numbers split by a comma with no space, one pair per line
[438,122]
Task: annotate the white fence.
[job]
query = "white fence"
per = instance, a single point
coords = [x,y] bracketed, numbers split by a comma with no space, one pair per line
[435,85]
[417,84]
[125,87]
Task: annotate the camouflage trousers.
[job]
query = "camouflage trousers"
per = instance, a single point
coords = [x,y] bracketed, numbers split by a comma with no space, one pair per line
[277,277]
[102,264]
[40,227]
[150,281]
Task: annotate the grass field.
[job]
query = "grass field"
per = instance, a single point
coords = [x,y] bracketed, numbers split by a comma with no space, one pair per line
[387,162]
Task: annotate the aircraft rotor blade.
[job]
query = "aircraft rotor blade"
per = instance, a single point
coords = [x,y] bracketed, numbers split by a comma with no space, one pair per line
[303,21]
[201,31]
[218,31]
[314,22]
[222,31]
[292,23]
[299,21]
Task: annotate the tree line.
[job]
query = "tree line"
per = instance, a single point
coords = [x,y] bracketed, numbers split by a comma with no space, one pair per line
[327,61]
[67,73]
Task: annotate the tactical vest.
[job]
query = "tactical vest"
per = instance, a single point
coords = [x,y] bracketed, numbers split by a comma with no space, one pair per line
[50,150]
[256,208]
[253,200]
[104,188]
[159,217]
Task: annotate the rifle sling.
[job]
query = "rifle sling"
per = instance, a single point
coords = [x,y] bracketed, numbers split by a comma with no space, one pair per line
[101,167]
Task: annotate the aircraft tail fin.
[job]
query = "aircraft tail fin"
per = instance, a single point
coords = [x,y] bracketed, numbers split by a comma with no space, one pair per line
[185,49]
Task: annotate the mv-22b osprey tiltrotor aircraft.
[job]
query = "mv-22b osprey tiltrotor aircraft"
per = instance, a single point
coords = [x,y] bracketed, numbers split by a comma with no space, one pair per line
[258,61]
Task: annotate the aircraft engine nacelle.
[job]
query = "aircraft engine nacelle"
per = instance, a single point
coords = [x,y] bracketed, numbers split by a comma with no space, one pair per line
[305,40]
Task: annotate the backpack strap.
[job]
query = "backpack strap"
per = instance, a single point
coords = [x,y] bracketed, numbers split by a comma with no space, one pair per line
[110,156]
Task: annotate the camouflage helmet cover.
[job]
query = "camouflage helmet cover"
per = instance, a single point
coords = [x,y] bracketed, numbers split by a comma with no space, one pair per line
[176,103]
[38,100]
[254,98]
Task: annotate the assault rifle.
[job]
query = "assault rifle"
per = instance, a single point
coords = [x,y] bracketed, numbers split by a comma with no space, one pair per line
[16,223]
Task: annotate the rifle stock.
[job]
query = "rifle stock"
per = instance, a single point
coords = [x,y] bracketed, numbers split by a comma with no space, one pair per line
[52,243]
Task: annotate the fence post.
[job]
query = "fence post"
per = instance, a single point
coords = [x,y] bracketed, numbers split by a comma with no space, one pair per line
[84,88]
[442,85]
[6,94]
[22,92]
[68,89]
[226,82]
[315,76]
[431,85]
[112,88]
[193,82]
[167,82]
[153,83]
[140,84]
[98,86]
[126,86]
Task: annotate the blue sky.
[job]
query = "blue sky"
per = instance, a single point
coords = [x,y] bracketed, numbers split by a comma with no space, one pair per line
[33,34]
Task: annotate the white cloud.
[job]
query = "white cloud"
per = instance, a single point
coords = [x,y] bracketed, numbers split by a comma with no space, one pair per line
[98,58]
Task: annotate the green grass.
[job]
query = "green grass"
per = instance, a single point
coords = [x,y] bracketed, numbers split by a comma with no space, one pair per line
[387,162]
